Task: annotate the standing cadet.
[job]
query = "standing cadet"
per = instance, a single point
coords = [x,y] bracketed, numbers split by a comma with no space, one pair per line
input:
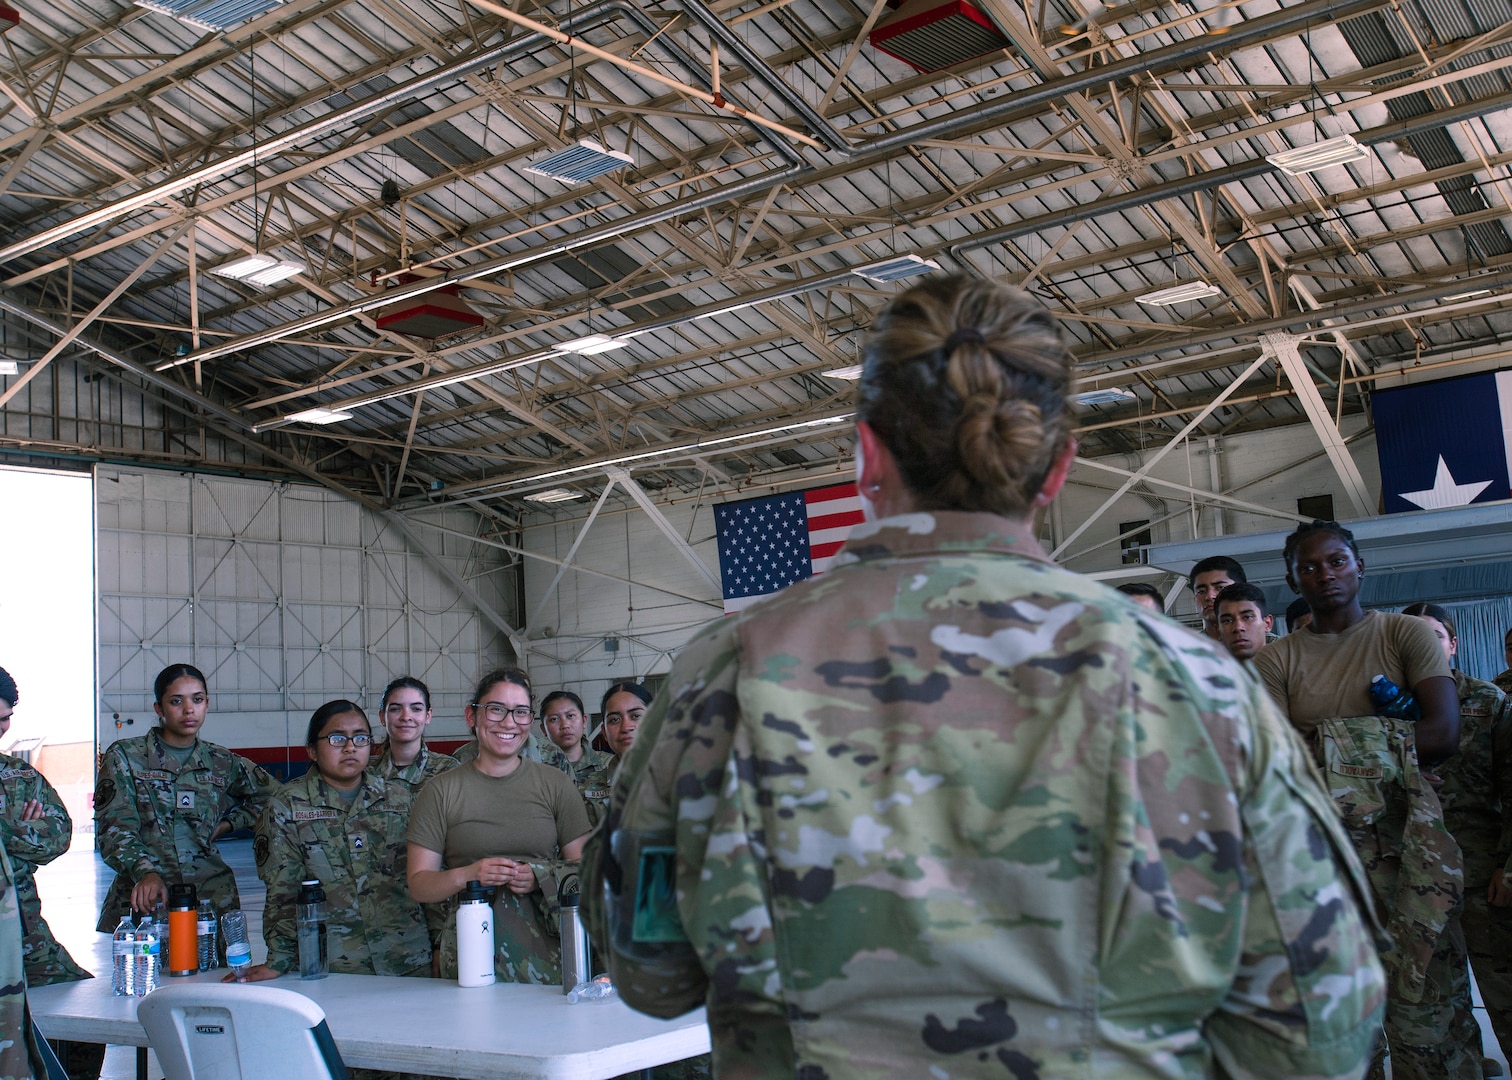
[344,825]
[36,829]
[405,757]
[1477,800]
[20,1055]
[162,800]
[950,810]
[1320,677]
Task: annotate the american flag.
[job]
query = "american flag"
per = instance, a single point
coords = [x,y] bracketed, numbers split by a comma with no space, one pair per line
[767,544]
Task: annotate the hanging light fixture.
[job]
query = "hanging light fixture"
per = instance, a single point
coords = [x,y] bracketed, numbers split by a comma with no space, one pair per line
[579,162]
[1300,160]
[1179,294]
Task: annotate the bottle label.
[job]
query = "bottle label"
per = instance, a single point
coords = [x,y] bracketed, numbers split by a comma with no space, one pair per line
[121,948]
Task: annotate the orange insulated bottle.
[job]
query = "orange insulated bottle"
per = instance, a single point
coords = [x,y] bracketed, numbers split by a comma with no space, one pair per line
[183,930]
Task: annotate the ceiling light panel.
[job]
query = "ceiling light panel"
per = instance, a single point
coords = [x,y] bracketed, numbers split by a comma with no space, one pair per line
[1301,160]
[582,161]
[896,269]
[1180,294]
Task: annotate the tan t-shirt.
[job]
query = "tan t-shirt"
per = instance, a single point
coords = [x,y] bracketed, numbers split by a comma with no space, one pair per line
[467,816]
[1315,676]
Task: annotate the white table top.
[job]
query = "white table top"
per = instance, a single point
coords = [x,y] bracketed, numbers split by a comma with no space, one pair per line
[426,1026]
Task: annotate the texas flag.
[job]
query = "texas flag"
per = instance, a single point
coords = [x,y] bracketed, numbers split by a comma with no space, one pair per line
[1445,443]
[767,544]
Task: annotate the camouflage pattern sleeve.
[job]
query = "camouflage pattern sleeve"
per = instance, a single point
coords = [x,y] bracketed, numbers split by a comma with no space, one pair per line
[20,1057]
[119,830]
[1502,751]
[42,840]
[250,789]
[280,864]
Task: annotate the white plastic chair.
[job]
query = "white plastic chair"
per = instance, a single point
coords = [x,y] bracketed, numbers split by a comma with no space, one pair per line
[210,1031]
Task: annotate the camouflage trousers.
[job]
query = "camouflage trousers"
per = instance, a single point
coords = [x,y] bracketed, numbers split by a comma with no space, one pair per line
[1436,1038]
[1488,937]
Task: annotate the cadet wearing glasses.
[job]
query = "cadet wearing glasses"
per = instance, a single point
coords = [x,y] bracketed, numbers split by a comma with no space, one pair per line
[505,821]
[344,824]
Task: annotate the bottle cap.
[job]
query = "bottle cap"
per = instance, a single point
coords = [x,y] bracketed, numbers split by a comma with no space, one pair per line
[182,897]
[476,893]
[310,892]
[567,891]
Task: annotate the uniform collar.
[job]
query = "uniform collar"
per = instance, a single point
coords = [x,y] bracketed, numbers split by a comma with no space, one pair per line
[941,531]
[165,760]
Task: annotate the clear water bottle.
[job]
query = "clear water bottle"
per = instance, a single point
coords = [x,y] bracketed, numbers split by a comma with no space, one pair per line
[160,927]
[122,946]
[238,948]
[310,920]
[148,957]
[1391,700]
[207,958]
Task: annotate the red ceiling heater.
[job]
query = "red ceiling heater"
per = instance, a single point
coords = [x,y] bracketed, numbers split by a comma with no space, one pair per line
[932,35]
[436,314]
[9,17]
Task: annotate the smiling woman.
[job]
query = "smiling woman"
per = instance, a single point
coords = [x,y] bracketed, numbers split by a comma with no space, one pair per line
[507,822]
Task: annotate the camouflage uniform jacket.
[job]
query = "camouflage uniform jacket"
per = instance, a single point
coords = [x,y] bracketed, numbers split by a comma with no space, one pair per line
[427,764]
[1504,681]
[1477,790]
[361,858]
[142,791]
[949,804]
[20,1057]
[591,762]
[1397,827]
[31,844]
[595,788]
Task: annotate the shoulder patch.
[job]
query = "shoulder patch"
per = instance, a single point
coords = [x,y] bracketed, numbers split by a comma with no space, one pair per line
[260,848]
[105,792]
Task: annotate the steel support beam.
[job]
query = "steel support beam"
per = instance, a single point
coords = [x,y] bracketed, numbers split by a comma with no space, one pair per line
[1284,348]
[566,565]
[636,492]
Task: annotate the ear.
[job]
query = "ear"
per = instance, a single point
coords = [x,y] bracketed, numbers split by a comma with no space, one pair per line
[157,707]
[1055,479]
[875,466]
[1270,623]
[1291,581]
[472,721]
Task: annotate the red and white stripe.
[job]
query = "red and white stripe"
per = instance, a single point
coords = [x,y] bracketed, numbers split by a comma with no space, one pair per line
[832,513]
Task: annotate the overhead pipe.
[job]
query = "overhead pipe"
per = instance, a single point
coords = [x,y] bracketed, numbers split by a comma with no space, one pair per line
[586,19]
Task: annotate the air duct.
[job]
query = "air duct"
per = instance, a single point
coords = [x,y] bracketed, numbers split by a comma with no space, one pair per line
[931,35]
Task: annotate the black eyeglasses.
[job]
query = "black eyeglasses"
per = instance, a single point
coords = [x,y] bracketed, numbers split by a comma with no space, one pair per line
[496,711]
[339,740]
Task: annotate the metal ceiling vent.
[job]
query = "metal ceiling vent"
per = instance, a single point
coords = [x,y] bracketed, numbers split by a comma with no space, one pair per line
[436,314]
[582,160]
[212,15]
[931,35]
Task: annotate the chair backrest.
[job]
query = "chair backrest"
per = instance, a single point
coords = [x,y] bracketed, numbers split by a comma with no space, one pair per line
[213,1031]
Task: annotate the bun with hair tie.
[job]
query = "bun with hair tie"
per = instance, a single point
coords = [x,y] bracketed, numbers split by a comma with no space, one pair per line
[965,335]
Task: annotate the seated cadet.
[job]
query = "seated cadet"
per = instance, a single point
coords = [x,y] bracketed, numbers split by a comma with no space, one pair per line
[344,825]
[36,829]
[623,705]
[1504,680]
[404,756]
[1145,595]
[1298,615]
[1244,620]
[1209,578]
[566,723]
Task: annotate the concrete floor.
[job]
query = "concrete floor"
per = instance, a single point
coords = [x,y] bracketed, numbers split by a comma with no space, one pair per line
[73,888]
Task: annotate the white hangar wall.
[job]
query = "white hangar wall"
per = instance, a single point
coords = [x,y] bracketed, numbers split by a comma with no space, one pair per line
[285,596]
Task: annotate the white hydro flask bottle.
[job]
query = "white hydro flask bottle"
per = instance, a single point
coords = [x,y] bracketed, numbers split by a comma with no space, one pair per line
[475,936]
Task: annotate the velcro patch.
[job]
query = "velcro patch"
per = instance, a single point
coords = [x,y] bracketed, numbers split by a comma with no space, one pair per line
[156,774]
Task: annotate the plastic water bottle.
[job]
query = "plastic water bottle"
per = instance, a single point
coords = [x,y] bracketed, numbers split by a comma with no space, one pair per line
[1391,700]
[599,989]
[148,957]
[238,948]
[310,919]
[160,928]
[206,928]
[122,945]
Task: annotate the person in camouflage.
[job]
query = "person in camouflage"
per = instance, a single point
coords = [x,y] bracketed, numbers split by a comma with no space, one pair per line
[950,810]
[623,706]
[566,722]
[404,755]
[20,1054]
[162,800]
[1321,678]
[1504,680]
[1477,800]
[344,825]
[36,828]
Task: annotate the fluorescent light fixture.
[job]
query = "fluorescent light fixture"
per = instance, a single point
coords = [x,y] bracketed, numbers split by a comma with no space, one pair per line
[727,310]
[1340,150]
[1471,295]
[9,367]
[1180,294]
[260,269]
[215,15]
[1112,395]
[321,416]
[896,269]
[853,372]
[555,495]
[592,345]
[583,160]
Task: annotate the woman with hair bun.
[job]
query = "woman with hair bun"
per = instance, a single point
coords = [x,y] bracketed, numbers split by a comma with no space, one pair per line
[949,806]
[163,799]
